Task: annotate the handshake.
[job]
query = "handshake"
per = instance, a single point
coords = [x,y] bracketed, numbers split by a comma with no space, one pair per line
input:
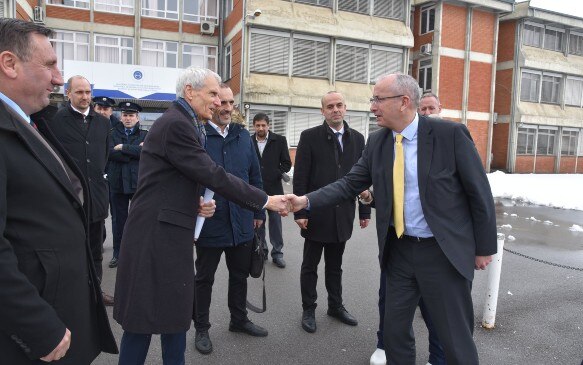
[285,204]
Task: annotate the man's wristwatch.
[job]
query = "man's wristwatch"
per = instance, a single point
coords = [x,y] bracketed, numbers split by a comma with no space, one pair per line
[362,201]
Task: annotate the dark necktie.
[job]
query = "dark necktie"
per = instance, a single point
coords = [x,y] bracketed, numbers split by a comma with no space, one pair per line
[339,138]
[128,132]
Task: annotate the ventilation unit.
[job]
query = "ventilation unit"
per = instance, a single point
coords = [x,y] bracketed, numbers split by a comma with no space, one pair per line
[207,27]
[425,49]
[38,15]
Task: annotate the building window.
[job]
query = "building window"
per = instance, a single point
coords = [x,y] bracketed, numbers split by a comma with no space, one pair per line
[115,6]
[551,88]
[70,46]
[526,138]
[83,4]
[576,44]
[533,34]
[425,74]
[3,9]
[167,9]
[554,39]
[300,120]
[201,10]
[355,6]
[228,7]
[269,52]
[529,88]
[573,91]
[159,53]
[227,62]
[311,56]
[427,19]
[545,141]
[385,60]
[277,117]
[351,62]
[394,9]
[325,3]
[110,49]
[200,56]
[569,140]
[357,121]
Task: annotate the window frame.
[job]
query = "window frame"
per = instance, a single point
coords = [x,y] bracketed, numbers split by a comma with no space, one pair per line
[313,58]
[75,43]
[428,9]
[580,50]
[118,46]
[580,80]
[228,61]
[571,137]
[206,55]
[74,6]
[536,25]
[271,70]
[316,3]
[119,6]
[203,17]
[144,11]
[541,133]
[365,46]
[559,88]
[164,51]
[558,31]
[425,67]
[539,85]
[530,131]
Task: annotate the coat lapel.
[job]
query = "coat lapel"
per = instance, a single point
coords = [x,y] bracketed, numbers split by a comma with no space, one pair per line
[424,155]
[387,149]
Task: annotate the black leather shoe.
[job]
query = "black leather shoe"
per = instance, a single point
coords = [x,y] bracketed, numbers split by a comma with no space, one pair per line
[309,320]
[279,262]
[113,263]
[249,328]
[342,314]
[202,342]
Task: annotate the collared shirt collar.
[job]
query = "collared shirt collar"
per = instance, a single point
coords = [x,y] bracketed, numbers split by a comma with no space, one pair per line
[218,129]
[15,107]
[85,113]
[411,130]
[341,131]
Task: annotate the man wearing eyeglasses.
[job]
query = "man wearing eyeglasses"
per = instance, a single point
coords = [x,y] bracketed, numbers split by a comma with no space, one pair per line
[436,220]
[324,154]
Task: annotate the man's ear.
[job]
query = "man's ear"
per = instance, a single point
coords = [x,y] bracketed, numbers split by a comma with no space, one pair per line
[188,91]
[8,61]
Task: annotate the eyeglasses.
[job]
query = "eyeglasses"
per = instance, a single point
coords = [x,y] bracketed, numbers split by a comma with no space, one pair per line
[377,100]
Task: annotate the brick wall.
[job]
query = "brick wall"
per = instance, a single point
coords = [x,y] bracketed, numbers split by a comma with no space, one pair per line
[480,87]
[545,165]
[506,41]
[524,164]
[160,24]
[503,98]
[235,81]
[451,74]
[194,28]
[479,131]
[567,164]
[114,19]
[62,12]
[500,137]
[235,17]
[453,26]
[21,13]
[483,32]
[579,165]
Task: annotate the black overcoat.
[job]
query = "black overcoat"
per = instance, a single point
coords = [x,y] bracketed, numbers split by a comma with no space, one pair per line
[319,162]
[274,162]
[154,290]
[122,171]
[47,279]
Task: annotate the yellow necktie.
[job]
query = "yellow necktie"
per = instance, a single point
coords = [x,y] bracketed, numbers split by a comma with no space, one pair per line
[399,186]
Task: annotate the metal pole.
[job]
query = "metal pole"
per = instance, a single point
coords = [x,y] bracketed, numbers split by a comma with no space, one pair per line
[494,270]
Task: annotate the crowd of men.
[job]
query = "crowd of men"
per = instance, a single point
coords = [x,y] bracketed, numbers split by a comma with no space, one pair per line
[435,213]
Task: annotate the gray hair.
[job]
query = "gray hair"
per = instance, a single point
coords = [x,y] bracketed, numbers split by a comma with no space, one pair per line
[406,85]
[195,77]
[15,36]
[430,95]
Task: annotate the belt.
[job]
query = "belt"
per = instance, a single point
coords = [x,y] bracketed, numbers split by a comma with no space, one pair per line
[418,239]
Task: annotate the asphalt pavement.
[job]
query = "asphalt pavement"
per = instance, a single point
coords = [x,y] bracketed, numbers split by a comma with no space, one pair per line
[540,307]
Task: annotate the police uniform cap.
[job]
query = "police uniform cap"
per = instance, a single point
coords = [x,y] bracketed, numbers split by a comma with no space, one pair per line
[104,101]
[129,107]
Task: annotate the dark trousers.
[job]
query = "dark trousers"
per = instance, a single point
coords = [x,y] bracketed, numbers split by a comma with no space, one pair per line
[238,260]
[333,252]
[120,204]
[436,354]
[421,269]
[134,348]
[275,236]
[96,233]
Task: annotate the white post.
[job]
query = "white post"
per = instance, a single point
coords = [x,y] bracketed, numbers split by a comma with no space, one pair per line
[494,270]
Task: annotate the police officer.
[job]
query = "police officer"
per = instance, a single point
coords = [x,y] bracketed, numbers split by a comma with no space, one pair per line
[125,146]
[104,106]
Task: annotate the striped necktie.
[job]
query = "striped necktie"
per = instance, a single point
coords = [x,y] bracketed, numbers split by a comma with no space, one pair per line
[399,186]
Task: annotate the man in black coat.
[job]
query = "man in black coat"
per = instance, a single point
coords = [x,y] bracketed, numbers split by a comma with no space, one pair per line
[85,134]
[274,160]
[125,146]
[326,153]
[50,307]
[104,106]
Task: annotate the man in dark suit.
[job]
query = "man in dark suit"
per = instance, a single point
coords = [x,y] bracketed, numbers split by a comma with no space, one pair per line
[274,159]
[324,154]
[442,206]
[50,307]
[155,276]
[104,106]
[125,146]
[85,135]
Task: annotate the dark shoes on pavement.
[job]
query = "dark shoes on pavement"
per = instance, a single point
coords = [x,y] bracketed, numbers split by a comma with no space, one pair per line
[279,262]
[249,328]
[342,314]
[107,299]
[202,342]
[113,263]
[309,320]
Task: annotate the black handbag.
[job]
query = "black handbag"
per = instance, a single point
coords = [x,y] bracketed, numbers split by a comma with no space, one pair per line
[257,267]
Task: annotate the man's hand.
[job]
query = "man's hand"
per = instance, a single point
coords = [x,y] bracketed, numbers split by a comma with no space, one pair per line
[297,202]
[118,147]
[364,223]
[278,203]
[365,196]
[257,223]
[61,348]
[482,262]
[141,144]
[206,209]
[302,223]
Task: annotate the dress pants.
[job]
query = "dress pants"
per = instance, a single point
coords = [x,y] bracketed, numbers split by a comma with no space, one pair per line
[238,260]
[134,348]
[120,204]
[436,355]
[96,239]
[333,252]
[421,269]
[275,236]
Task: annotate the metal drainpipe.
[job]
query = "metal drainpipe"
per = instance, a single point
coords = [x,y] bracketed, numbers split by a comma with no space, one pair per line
[466,82]
[137,35]
[221,40]
[512,127]
[242,64]
[492,95]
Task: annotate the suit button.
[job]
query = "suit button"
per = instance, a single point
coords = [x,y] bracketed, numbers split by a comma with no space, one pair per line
[14,337]
[88,161]
[86,142]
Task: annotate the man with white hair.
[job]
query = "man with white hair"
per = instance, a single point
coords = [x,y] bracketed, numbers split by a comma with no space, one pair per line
[155,277]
